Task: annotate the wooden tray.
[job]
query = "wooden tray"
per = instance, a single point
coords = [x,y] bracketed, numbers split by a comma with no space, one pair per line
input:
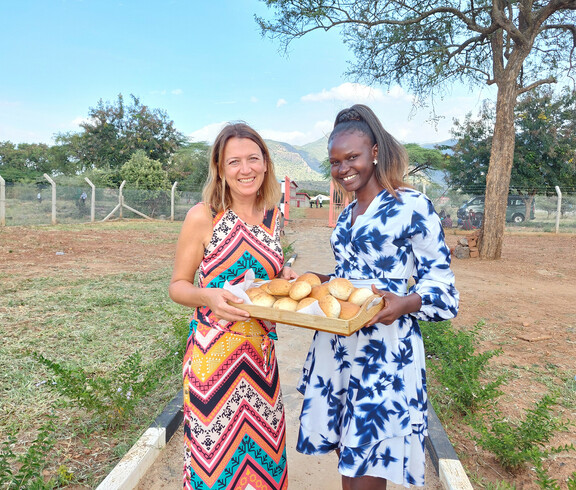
[316,322]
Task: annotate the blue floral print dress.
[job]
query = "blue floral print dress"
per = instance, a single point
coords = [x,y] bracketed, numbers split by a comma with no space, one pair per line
[366,394]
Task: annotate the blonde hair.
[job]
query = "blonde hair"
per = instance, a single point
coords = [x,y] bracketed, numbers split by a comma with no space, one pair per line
[216,193]
[392,160]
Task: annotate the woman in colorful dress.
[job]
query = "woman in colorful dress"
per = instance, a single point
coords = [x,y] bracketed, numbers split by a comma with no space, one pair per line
[234,424]
[365,395]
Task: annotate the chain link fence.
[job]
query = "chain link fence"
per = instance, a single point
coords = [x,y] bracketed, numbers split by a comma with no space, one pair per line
[29,204]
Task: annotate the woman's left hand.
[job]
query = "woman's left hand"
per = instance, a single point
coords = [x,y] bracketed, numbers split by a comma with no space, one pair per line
[395,306]
[287,273]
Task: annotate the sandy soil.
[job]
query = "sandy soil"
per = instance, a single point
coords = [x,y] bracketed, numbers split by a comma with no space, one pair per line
[527,300]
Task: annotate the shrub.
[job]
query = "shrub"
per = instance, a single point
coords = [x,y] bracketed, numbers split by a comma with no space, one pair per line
[455,366]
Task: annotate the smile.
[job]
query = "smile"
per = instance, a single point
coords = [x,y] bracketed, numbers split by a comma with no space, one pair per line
[350,177]
[247,181]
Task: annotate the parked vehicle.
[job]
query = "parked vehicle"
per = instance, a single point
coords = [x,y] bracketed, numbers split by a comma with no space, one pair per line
[515,211]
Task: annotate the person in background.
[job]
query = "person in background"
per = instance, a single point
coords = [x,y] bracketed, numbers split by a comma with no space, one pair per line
[447,222]
[365,395]
[39,197]
[234,423]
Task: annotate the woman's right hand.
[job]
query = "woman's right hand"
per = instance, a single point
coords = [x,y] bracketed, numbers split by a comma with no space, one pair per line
[218,299]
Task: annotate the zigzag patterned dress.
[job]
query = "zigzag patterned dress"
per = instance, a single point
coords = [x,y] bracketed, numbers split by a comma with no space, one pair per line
[234,424]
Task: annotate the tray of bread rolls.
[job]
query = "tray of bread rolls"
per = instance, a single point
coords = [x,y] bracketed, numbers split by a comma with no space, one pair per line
[336,306]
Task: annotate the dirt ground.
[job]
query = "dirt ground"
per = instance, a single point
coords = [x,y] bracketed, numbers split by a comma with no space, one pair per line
[527,300]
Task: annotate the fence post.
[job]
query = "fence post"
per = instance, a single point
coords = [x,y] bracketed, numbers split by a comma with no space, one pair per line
[287,197]
[121,198]
[558,208]
[172,201]
[53,184]
[92,200]
[2,202]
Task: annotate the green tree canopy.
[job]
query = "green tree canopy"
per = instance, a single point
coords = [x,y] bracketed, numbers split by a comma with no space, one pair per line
[115,131]
[429,45]
[142,172]
[544,155]
[189,165]
[24,162]
[422,159]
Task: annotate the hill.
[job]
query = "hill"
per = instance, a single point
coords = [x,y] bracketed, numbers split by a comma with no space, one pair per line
[300,163]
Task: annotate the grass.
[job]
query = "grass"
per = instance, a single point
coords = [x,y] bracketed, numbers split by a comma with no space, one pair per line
[95,322]
[86,324]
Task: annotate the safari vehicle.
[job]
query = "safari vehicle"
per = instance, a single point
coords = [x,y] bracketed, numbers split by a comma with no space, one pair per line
[515,211]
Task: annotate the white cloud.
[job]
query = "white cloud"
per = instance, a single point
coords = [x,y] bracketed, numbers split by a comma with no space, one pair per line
[177,91]
[346,92]
[291,137]
[253,99]
[207,133]
[319,129]
[281,102]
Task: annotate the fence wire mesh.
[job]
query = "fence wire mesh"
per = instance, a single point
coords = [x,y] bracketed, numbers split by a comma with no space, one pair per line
[27,204]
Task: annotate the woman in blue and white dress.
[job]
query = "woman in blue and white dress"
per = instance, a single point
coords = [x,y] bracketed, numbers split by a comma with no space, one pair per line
[365,395]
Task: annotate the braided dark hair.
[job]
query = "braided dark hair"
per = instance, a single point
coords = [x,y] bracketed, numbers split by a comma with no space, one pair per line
[392,157]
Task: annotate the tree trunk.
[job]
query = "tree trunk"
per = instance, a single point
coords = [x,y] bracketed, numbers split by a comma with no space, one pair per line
[499,171]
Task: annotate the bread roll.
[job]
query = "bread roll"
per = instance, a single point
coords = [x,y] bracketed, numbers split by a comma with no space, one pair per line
[278,287]
[310,278]
[285,303]
[360,295]
[261,298]
[303,303]
[348,310]
[299,290]
[330,306]
[341,288]
[253,291]
[320,291]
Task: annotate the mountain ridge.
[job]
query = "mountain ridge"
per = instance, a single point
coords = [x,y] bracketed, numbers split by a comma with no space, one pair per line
[303,162]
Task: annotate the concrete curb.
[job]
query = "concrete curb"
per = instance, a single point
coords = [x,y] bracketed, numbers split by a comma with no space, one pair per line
[444,458]
[132,467]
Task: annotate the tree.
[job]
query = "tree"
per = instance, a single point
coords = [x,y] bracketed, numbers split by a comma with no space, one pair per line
[545,142]
[24,162]
[423,159]
[189,165]
[544,149]
[114,132]
[467,165]
[516,45]
[146,182]
[141,172]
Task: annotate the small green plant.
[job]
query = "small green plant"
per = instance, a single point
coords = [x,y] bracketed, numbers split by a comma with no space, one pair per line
[457,369]
[288,249]
[29,464]
[502,485]
[516,443]
[572,481]
[113,395]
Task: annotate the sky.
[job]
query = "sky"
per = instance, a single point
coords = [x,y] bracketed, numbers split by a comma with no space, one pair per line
[202,62]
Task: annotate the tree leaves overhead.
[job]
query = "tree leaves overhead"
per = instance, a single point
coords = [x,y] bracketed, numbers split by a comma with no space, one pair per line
[427,45]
